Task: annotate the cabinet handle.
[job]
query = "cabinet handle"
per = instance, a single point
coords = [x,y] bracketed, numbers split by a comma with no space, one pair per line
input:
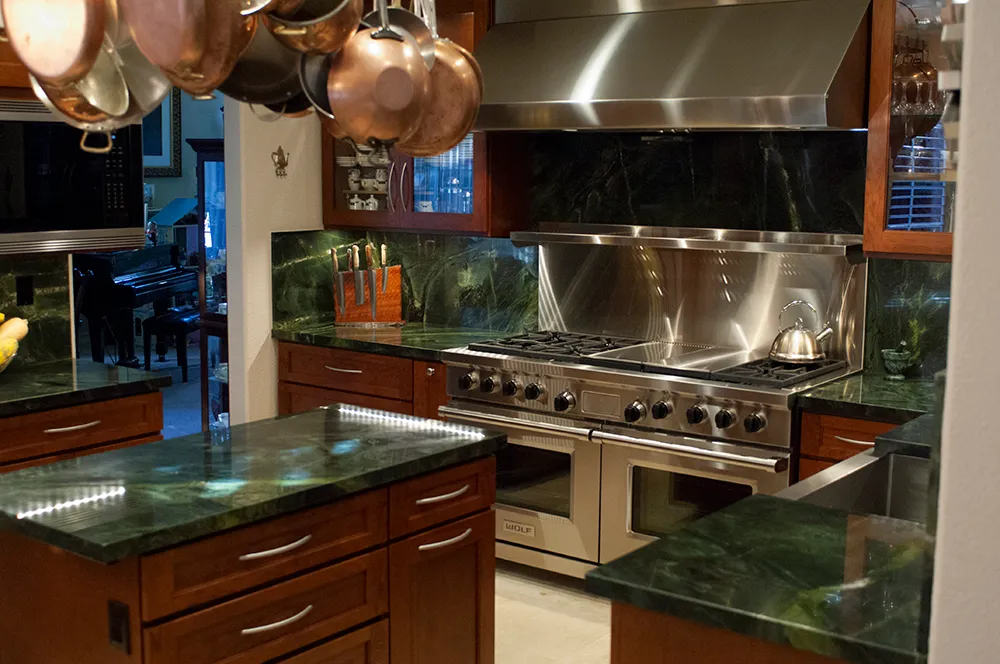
[392,168]
[448,542]
[249,631]
[445,497]
[78,427]
[350,371]
[402,187]
[276,552]
[866,443]
[431,371]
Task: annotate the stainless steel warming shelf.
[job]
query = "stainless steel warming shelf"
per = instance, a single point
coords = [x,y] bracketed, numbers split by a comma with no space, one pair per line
[675,64]
[705,239]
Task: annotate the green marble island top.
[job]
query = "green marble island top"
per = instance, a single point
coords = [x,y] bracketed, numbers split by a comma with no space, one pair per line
[414,341]
[845,586]
[44,386]
[133,501]
[870,396]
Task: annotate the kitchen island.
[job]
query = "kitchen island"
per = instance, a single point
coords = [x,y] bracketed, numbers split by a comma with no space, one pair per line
[339,533]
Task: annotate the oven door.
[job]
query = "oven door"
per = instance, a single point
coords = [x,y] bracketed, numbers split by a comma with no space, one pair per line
[652,483]
[548,480]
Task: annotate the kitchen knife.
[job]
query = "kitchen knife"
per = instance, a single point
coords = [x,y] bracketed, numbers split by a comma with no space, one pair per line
[359,277]
[338,280]
[385,271]
[370,255]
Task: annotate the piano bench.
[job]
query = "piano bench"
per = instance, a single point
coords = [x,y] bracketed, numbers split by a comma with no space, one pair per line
[177,324]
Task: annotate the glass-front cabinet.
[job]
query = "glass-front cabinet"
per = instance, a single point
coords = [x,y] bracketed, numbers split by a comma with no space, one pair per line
[913,128]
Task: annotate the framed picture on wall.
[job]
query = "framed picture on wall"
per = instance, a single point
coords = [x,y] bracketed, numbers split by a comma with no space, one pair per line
[161,139]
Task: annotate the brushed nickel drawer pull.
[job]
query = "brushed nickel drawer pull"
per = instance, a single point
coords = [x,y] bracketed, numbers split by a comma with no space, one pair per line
[447,542]
[350,371]
[278,625]
[855,442]
[276,552]
[78,427]
[447,496]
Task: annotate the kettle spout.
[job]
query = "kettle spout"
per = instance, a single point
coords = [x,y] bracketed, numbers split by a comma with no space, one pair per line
[825,334]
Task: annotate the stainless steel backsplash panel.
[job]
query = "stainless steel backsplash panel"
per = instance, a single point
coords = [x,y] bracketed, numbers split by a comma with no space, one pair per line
[705,297]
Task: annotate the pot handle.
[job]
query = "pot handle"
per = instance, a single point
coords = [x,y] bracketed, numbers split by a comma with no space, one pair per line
[253,6]
[796,303]
[272,117]
[288,31]
[97,149]
[385,30]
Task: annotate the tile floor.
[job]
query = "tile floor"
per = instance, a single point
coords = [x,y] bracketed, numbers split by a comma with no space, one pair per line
[548,619]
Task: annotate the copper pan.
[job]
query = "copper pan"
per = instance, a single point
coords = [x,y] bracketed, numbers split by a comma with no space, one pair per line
[456,93]
[266,73]
[277,7]
[323,34]
[172,34]
[379,85]
[228,34]
[57,40]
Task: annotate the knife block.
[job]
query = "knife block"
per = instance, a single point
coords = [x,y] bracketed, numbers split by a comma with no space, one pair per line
[389,304]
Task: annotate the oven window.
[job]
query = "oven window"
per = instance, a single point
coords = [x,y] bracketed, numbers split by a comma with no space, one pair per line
[663,500]
[534,479]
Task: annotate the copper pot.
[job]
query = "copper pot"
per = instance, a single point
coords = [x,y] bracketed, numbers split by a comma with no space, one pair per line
[173,34]
[229,34]
[456,93]
[57,40]
[277,7]
[325,34]
[266,73]
[379,84]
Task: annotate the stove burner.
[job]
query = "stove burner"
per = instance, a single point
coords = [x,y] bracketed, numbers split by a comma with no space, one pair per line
[554,345]
[769,373]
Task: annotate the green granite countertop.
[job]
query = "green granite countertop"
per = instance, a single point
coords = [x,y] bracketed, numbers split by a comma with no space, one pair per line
[415,341]
[870,396]
[915,438]
[31,388]
[817,579]
[132,501]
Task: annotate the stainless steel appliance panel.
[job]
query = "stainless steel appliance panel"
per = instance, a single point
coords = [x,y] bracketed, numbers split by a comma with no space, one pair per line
[653,485]
[715,298]
[548,481]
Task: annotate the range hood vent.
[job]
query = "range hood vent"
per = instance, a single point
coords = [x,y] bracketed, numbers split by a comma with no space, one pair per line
[675,64]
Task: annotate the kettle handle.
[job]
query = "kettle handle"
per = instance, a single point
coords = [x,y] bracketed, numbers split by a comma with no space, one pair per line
[796,303]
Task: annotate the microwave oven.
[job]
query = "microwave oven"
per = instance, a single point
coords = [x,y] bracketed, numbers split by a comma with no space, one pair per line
[56,197]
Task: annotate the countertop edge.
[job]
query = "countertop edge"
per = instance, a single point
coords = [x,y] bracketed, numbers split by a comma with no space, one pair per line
[838,408]
[83,396]
[374,347]
[315,497]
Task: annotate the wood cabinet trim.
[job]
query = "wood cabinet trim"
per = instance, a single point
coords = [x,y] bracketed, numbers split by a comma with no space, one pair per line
[820,434]
[367,645]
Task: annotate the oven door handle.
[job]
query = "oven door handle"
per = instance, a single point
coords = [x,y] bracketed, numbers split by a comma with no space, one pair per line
[775,464]
[505,421]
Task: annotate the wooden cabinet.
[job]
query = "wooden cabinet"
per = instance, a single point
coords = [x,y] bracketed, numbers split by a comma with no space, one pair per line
[368,645]
[426,501]
[441,587]
[909,187]
[311,377]
[827,440]
[13,75]
[479,187]
[53,435]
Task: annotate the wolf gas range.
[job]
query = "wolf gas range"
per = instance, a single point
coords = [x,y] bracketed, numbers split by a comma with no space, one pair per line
[616,441]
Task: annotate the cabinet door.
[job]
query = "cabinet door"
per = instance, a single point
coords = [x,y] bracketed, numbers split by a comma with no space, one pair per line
[294,399]
[360,189]
[12,73]
[430,389]
[441,594]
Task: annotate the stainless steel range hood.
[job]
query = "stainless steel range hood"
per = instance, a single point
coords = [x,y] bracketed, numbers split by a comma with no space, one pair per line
[675,64]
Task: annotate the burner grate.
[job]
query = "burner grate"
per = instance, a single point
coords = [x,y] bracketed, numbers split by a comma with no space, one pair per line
[770,373]
[554,345]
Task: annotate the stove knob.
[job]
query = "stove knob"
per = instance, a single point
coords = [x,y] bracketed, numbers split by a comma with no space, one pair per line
[488,385]
[697,414]
[565,401]
[725,418]
[755,423]
[468,381]
[661,410]
[510,388]
[533,391]
[635,412]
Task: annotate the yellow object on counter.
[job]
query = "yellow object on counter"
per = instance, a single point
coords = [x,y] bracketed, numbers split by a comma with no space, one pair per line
[11,333]
[8,349]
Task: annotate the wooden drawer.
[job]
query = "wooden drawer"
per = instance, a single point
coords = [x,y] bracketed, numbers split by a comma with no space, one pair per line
[236,561]
[839,438]
[347,371]
[294,399]
[41,461]
[12,73]
[276,620]
[430,389]
[809,467]
[368,645]
[54,431]
[430,500]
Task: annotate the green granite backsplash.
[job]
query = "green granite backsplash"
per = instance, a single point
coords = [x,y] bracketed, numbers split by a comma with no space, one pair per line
[46,306]
[448,280]
[908,301]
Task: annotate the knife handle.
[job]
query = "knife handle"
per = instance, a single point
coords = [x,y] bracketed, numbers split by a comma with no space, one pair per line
[385,260]
[370,256]
[336,263]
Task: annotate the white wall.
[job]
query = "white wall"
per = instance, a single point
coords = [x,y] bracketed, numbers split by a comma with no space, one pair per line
[965,606]
[258,204]
[199,119]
